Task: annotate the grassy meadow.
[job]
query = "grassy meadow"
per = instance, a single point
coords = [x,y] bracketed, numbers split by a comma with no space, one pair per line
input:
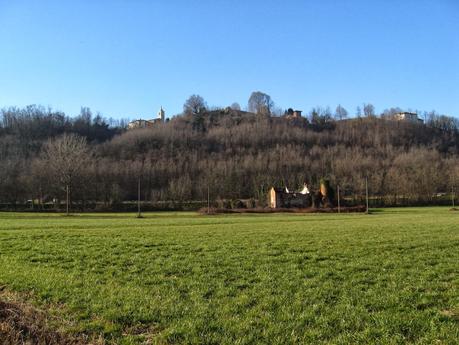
[391,277]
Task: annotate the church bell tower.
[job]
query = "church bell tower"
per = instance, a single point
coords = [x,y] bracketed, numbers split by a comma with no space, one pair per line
[161,114]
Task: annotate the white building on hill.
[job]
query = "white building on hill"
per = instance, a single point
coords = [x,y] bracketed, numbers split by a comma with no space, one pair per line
[407,116]
[148,123]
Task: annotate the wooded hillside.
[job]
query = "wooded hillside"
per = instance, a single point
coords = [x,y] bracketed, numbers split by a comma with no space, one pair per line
[234,154]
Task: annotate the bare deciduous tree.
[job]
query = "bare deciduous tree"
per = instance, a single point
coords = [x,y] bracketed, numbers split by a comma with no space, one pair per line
[260,103]
[195,104]
[235,106]
[368,110]
[66,156]
[340,113]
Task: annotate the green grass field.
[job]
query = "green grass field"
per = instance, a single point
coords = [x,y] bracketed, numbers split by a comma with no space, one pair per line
[391,277]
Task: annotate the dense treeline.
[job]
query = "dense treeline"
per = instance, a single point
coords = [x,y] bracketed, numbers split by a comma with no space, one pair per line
[232,153]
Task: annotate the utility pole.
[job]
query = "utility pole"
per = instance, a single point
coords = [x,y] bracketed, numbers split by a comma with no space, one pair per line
[208,199]
[339,205]
[139,214]
[452,195]
[366,192]
[67,212]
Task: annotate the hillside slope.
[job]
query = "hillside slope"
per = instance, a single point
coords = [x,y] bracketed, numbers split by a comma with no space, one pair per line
[240,155]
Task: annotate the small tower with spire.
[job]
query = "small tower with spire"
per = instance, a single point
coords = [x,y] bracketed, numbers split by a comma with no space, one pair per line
[161,114]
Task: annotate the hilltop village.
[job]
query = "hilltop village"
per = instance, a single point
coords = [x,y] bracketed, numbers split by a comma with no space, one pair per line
[289,114]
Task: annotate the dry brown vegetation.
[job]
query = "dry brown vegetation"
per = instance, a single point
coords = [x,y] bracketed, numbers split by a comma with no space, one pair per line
[349,209]
[22,323]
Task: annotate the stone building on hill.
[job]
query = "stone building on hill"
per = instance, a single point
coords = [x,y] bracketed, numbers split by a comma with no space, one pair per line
[407,116]
[139,124]
[292,114]
[148,123]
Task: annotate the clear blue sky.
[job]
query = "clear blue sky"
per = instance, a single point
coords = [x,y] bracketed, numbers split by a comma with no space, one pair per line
[126,58]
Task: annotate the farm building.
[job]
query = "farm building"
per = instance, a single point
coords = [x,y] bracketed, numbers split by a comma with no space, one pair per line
[283,198]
